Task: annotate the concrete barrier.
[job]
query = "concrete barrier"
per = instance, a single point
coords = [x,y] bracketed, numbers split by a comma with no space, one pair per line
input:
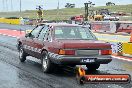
[112,26]
[127,49]
[10,21]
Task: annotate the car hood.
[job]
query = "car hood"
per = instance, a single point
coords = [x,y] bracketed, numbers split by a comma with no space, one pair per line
[85,44]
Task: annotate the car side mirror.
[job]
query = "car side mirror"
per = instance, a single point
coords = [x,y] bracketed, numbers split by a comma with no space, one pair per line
[28,31]
[27,35]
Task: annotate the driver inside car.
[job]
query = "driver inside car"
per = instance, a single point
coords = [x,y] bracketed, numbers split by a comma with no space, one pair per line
[67,33]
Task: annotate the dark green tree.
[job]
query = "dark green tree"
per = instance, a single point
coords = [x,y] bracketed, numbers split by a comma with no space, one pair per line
[110,4]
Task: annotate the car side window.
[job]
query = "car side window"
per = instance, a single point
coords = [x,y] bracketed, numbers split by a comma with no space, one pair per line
[48,36]
[36,31]
[43,33]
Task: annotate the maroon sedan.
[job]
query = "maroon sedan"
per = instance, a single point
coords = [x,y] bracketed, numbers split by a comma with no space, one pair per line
[64,44]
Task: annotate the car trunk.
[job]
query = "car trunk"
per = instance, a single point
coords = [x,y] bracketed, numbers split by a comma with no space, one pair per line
[85,47]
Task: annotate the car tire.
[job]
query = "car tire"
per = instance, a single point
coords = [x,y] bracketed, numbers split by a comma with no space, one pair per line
[47,65]
[92,67]
[22,54]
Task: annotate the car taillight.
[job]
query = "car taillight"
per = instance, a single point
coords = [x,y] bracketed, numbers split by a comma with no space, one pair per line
[105,52]
[66,52]
[61,52]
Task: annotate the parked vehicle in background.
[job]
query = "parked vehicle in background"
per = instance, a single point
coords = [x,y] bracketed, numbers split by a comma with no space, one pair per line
[111,18]
[79,18]
[64,44]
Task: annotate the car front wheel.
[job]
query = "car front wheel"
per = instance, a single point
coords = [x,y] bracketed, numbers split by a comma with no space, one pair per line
[47,65]
[22,54]
[93,67]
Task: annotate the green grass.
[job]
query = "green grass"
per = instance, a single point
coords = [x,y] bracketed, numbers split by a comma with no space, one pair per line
[116,8]
[66,13]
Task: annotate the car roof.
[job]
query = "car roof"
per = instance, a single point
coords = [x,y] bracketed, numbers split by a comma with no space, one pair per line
[59,24]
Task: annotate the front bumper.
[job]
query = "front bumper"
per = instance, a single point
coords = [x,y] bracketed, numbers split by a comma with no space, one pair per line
[76,60]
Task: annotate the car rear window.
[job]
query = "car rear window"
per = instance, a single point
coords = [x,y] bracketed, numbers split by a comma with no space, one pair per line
[73,32]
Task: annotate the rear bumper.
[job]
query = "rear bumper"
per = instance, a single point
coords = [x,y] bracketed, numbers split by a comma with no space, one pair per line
[76,60]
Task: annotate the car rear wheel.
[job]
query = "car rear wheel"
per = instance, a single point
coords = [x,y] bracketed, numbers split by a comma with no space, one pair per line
[93,67]
[22,54]
[47,65]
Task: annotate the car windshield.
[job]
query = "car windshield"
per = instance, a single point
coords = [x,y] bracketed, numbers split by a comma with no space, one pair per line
[73,32]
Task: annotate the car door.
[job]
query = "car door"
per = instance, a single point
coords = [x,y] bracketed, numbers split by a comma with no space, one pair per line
[48,40]
[39,42]
[29,42]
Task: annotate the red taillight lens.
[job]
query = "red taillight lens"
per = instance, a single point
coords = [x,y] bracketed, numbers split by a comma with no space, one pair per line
[105,52]
[70,52]
[66,52]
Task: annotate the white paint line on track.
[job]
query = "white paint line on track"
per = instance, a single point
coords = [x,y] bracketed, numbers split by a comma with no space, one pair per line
[17,30]
[122,58]
[13,30]
[9,35]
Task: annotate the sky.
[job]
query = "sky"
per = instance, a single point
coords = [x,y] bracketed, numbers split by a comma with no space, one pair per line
[52,4]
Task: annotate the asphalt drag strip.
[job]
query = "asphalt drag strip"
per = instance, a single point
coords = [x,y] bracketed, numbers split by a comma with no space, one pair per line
[30,75]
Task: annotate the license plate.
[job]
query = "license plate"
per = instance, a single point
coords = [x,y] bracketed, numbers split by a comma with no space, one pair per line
[88,60]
